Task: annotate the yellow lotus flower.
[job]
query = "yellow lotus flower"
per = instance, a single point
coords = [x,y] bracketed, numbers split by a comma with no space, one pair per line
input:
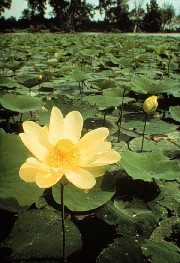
[150,104]
[58,150]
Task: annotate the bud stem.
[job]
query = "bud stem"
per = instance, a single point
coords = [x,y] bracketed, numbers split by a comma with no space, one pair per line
[146,115]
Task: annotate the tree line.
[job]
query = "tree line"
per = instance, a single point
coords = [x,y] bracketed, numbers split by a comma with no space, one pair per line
[77,15]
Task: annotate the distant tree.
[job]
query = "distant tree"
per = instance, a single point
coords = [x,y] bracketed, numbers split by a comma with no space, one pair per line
[80,13]
[153,18]
[71,15]
[11,22]
[168,13]
[37,9]
[59,11]
[118,15]
[137,14]
[104,5]
[26,14]
[4,4]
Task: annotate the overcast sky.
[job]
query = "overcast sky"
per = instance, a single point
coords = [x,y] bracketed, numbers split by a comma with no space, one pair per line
[19,5]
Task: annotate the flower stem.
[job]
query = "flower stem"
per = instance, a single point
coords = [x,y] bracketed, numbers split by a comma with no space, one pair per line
[143,132]
[120,117]
[104,118]
[62,220]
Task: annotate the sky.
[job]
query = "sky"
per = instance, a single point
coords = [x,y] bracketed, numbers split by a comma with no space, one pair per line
[19,5]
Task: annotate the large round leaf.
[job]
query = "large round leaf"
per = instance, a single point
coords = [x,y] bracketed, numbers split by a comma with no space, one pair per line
[37,234]
[175,112]
[21,103]
[7,82]
[153,125]
[105,102]
[79,200]
[122,250]
[15,194]
[161,252]
[149,165]
[79,75]
[168,148]
[165,229]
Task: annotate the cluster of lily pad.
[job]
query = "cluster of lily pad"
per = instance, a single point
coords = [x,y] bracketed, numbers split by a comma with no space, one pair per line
[107,78]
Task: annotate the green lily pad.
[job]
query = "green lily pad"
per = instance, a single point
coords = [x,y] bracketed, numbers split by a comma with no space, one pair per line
[153,125]
[15,194]
[7,82]
[66,105]
[149,165]
[89,52]
[105,84]
[106,102]
[175,112]
[135,144]
[114,92]
[37,234]
[14,65]
[165,229]
[168,148]
[169,197]
[161,252]
[124,249]
[144,85]
[21,103]
[103,102]
[130,218]
[79,200]
[79,75]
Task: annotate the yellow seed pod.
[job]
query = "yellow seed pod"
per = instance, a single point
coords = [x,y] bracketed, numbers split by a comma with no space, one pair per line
[150,104]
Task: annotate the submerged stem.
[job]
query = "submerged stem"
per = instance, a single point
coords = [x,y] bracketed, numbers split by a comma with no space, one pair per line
[143,132]
[62,220]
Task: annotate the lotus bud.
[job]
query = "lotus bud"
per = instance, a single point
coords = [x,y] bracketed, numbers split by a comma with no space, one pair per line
[150,104]
[40,77]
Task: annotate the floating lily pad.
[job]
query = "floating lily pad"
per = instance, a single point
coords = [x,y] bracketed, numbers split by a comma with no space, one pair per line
[105,84]
[21,103]
[29,82]
[130,218]
[135,144]
[124,249]
[37,234]
[66,105]
[153,125]
[165,229]
[79,75]
[144,85]
[89,52]
[114,92]
[103,102]
[161,252]
[15,194]
[79,200]
[169,197]
[168,148]
[175,112]
[149,165]
[7,82]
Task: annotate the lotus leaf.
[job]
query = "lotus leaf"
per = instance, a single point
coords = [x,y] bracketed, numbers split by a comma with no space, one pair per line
[15,194]
[21,103]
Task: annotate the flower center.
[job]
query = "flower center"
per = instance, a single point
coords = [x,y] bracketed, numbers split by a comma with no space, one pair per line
[64,154]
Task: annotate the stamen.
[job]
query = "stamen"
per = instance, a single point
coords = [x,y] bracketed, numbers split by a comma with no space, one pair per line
[64,154]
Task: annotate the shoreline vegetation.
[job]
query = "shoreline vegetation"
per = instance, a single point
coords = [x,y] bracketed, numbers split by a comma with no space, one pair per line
[69,16]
